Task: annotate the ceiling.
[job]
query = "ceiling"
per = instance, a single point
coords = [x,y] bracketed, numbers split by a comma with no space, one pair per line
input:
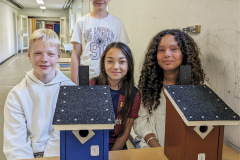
[49,4]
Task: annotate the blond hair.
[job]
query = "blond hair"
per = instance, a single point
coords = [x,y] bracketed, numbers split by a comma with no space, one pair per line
[48,36]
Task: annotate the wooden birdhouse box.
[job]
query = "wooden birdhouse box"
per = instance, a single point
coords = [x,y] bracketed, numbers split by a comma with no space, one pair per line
[195,120]
[84,115]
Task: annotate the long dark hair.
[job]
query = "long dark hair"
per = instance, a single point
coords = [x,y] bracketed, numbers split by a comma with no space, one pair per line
[151,79]
[127,81]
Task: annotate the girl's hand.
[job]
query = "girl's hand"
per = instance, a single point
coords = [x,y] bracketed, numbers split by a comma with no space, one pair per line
[121,141]
[151,140]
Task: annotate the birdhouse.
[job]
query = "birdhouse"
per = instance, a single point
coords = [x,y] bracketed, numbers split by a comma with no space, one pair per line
[84,115]
[195,120]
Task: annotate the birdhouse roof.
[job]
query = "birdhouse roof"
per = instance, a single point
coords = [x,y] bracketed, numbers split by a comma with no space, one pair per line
[198,105]
[84,107]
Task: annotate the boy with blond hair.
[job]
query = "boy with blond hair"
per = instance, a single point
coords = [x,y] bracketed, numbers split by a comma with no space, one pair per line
[30,106]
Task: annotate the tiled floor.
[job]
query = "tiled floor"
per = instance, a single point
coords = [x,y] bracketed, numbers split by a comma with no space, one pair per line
[12,71]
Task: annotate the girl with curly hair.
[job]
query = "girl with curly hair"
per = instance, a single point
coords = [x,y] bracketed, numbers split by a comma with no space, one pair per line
[116,70]
[166,52]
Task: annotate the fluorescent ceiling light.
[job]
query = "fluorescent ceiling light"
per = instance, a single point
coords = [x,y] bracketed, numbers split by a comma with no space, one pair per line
[42,7]
[40,1]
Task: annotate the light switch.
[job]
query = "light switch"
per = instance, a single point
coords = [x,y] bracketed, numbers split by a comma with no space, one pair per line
[95,150]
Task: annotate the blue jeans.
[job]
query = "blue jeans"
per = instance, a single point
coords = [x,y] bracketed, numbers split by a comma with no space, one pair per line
[136,143]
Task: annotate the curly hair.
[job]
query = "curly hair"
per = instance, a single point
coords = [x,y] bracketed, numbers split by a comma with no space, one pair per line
[151,79]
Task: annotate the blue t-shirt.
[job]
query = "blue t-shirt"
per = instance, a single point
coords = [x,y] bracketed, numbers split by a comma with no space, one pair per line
[115,99]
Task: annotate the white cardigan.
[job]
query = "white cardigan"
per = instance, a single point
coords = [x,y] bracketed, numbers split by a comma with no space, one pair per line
[28,115]
[154,123]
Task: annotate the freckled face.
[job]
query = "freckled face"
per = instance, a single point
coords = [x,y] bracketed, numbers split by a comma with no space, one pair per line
[116,65]
[44,59]
[169,55]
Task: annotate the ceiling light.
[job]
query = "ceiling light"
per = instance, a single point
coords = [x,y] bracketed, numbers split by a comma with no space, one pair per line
[40,1]
[42,7]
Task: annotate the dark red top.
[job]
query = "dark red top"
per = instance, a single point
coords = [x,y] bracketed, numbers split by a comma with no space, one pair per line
[131,114]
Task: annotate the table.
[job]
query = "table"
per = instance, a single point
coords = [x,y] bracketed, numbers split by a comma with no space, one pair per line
[229,153]
[153,154]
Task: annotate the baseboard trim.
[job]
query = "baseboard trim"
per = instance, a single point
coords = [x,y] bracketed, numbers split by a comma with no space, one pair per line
[7,58]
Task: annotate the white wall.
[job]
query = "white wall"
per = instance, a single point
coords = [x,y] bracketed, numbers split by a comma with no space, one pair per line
[76,5]
[85,5]
[7,41]
[78,9]
[7,48]
[219,39]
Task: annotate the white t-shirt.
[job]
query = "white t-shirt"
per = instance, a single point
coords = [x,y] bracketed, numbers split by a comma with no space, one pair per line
[95,35]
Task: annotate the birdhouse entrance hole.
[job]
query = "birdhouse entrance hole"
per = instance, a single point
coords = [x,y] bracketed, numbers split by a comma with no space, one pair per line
[83,133]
